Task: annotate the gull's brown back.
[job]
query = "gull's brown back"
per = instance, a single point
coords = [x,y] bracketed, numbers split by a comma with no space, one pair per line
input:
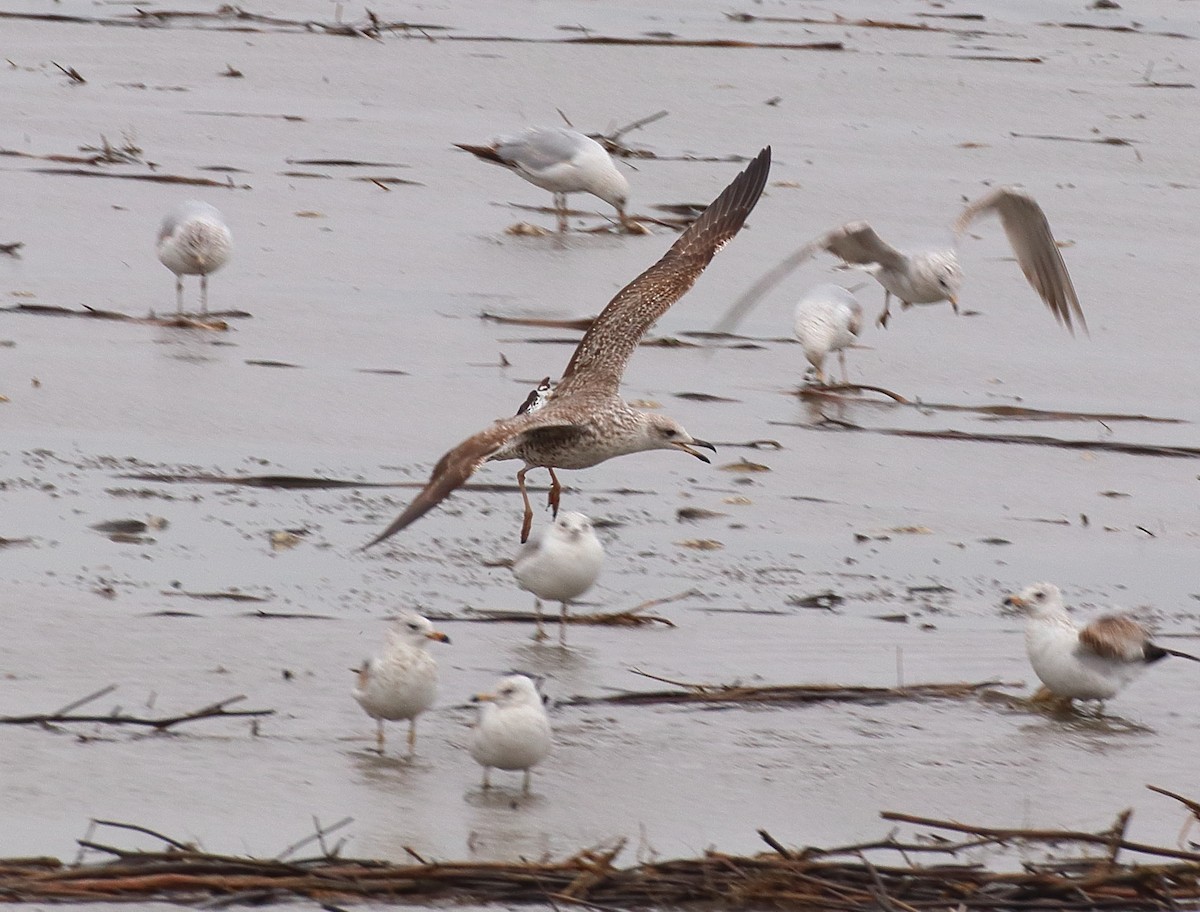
[1115,637]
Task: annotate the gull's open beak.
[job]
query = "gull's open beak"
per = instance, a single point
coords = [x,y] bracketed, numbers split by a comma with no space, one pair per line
[438,635]
[483,698]
[687,448]
[1016,601]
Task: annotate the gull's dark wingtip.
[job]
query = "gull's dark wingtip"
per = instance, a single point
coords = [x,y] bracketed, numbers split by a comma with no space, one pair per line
[753,180]
[726,214]
[435,492]
[387,533]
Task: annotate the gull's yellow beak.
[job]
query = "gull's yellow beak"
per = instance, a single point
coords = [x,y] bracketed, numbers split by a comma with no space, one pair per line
[483,698]
[1016,601]
[438,635]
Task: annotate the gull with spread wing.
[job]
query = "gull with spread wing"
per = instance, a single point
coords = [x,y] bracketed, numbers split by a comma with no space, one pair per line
[584,420]
[932,276]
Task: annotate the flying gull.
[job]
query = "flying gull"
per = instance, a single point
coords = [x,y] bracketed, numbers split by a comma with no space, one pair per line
[932,276]
[584,420]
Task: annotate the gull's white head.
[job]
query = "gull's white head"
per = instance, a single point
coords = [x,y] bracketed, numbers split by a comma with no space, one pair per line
[514,690]
[943,270]
[572,527]
[1040,600]
[658,432]
[416,631]
[611,186]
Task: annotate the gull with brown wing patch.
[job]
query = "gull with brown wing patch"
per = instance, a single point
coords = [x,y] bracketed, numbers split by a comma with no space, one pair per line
[1094,662]
[584,420]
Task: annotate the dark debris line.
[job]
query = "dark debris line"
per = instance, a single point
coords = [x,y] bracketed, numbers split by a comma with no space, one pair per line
[799,879]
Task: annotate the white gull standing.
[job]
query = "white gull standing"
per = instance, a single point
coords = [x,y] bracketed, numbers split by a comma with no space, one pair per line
[559,564]
[932,276]
[513,731]
[828,318]
[401,683]
[193,240]
[562,161]
[1089,663]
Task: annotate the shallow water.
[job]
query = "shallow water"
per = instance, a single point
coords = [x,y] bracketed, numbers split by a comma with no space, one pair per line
[343,277]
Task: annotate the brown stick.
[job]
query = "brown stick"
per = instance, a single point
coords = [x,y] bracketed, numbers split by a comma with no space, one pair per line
[851,388]
[1002,833]
[212,711]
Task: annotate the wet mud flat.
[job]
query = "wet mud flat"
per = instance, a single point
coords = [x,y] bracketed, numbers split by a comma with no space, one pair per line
[838,539]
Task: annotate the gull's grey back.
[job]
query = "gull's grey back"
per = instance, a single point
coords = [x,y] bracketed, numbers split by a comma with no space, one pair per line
[185,212]
[539,148]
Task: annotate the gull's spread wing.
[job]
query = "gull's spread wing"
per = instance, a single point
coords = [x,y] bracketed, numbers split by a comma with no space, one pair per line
[1033,243]
[599,361]
[854,242]
[458,465]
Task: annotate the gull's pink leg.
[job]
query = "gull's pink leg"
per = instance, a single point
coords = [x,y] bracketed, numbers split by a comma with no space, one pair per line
[882,319]
[555,491]
[527,522]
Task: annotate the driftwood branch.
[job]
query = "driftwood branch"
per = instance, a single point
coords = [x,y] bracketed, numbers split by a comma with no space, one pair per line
[116,824]
[1003,834]
[859,878]
[829,389]
[1105,446]
[629,617]
[117,717]
[786,693]
[318,836]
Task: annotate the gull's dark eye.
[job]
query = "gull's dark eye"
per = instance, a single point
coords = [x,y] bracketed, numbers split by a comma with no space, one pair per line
[668,432]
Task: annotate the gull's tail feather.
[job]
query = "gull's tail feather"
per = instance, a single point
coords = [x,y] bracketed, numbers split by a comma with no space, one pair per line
[487,153]
[1179,654]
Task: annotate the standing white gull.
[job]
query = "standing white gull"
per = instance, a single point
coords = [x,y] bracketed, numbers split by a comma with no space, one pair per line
[559,160]
[193,240]
[401,683]
[932,276]
[513,732]
[584,420]
[1088,663]
[559,564]
[828,318]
